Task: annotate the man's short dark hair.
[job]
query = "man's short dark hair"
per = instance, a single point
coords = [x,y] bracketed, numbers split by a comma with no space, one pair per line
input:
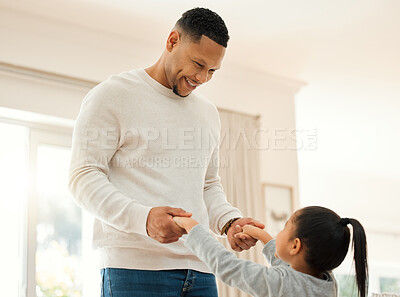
[202,21]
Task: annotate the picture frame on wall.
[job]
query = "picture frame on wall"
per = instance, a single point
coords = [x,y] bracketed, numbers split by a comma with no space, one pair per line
[279,206]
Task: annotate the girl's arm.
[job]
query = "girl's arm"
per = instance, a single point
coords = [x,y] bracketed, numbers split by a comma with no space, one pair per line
[254,232]
[248,276]
[265,237]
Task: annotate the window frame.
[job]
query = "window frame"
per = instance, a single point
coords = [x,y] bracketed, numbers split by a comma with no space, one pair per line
[37,137]
[41,130]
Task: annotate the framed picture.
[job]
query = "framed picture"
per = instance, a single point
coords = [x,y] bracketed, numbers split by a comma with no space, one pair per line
[279,206]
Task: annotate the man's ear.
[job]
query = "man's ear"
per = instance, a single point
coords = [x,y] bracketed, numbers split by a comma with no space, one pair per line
[173,39]
[296,246]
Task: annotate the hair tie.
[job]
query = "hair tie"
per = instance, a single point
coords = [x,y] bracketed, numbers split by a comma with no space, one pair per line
[344,221]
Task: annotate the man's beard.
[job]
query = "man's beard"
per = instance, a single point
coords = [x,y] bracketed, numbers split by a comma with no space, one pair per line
[175,90]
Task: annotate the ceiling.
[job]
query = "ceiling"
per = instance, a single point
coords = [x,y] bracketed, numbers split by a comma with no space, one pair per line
[295,39]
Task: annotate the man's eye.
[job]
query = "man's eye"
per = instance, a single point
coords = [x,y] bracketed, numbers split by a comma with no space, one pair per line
[199,65]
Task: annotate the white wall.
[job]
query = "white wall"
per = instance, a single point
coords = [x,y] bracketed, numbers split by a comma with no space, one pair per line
[355,168]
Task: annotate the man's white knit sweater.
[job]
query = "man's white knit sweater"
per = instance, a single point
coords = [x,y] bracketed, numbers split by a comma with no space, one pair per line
[137,145]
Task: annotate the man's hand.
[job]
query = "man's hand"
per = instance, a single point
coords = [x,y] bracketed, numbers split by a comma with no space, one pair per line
[246,241]
[160,225]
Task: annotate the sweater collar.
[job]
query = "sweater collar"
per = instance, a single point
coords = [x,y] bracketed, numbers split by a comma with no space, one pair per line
[159,87]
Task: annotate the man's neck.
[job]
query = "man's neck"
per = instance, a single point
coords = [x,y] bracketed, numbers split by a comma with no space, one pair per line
[157,72]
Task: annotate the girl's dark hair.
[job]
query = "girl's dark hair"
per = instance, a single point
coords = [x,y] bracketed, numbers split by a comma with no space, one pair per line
[202,21]
[326,237]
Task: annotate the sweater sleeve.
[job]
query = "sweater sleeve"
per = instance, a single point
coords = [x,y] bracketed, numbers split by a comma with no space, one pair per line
[269,253]
[96,138]
[250,277]
[220,211]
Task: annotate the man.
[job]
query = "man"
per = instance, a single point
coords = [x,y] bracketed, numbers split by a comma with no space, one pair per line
[145,149]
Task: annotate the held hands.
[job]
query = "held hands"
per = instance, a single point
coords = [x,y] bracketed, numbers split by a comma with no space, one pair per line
[254,232]
[166,225]
[161,226]
[244,241]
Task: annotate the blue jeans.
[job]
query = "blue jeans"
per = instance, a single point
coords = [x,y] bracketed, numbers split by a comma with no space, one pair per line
[118,282]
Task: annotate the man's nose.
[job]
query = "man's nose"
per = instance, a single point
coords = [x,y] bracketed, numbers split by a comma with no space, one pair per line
[202,76]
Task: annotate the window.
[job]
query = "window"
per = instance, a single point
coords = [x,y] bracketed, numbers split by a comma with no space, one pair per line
[391,285]
[347,285]
[58,227]
[13,190]
[383,277]
[48,237]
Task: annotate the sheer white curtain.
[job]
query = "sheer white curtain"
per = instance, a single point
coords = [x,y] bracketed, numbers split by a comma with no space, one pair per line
[240,177]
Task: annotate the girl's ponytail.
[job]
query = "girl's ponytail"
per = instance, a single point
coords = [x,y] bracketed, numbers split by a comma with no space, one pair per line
[360,255]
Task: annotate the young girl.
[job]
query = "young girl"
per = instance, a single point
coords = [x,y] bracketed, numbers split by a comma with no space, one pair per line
[314,241]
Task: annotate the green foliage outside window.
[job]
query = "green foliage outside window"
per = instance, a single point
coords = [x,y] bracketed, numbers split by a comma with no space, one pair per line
[57,273]
[347,285]
[389,285]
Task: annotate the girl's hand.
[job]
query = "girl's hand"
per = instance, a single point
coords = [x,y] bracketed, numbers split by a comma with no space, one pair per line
[247,229]
[254,232]
[250,229]
[185,223]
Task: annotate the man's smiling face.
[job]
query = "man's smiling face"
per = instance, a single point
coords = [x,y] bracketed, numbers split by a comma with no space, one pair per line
[191,63]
